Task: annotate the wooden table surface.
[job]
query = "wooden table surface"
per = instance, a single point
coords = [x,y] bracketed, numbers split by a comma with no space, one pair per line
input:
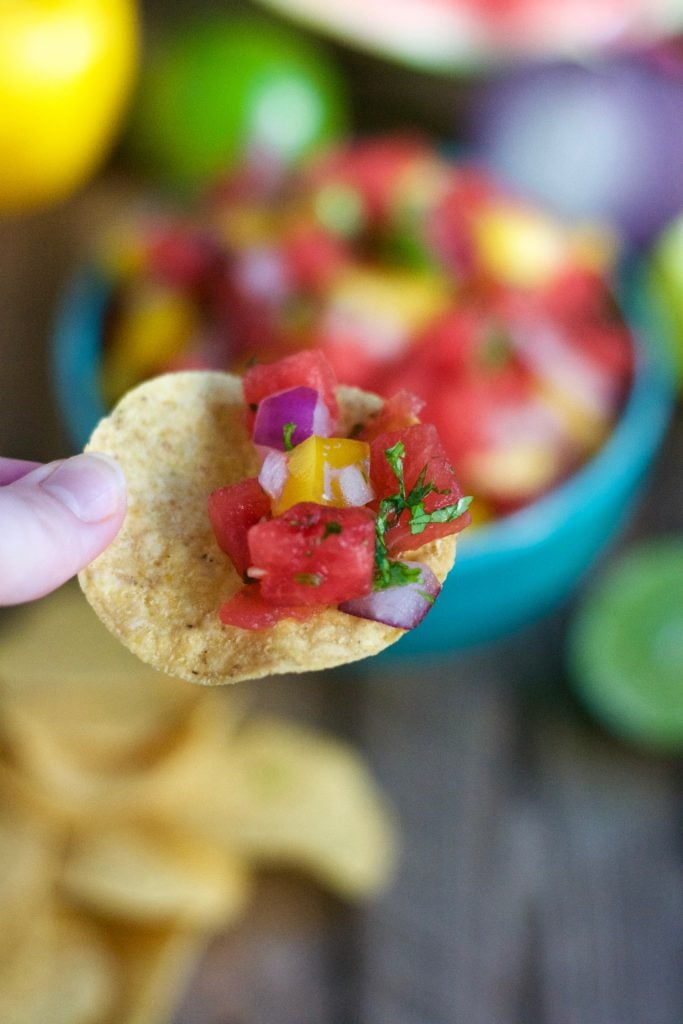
[541,879]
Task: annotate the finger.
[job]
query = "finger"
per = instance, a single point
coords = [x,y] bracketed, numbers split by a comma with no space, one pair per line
[54,520]
[14,469]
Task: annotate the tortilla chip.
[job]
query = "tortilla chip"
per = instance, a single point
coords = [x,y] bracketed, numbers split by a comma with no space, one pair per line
[305,799]
[60,971]
[160,585]
[63,674]
[157,965]
[148,876]
[29,862]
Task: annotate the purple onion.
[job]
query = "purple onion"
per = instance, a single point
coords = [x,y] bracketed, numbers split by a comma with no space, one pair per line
[601,141]
[304,407]
[403,607]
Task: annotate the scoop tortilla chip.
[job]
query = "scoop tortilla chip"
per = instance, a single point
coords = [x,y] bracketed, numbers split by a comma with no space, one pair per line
[305,799]
[63,674]
[60,971]
[157,965]
[160,585]
[143,875]
[29,851]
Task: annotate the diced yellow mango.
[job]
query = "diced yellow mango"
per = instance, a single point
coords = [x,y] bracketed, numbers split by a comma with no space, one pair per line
[123,252]
[585,427]
[244,226]
[314,471]
[155,327]
[520,247]
[385,307]
[514,473]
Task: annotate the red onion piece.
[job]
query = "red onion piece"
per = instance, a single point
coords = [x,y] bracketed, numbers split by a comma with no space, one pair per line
[273,473]
[404,607]
[592,141]
[302,406]
[355,486]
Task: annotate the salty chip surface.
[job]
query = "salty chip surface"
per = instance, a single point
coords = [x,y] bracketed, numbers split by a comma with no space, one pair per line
[159,586]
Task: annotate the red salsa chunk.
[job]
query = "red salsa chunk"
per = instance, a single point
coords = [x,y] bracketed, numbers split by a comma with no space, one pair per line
[313,554]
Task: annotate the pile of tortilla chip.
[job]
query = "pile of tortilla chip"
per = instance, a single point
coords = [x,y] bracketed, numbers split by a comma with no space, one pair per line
[134,809]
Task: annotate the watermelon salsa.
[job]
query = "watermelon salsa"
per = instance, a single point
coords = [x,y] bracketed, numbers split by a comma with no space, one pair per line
[327,526]
[412,274]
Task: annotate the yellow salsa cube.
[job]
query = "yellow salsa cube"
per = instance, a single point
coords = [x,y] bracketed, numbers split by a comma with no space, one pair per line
[329,471]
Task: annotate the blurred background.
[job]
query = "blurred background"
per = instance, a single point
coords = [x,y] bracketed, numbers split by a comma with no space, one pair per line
[481,202]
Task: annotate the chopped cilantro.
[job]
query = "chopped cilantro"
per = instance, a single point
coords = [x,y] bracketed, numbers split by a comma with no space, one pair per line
[303,523]
[429,598]
[395,456]
[308,579]
[420,519]
[389,573]
[396,574]
[287,431]
[332,527]
[497,349]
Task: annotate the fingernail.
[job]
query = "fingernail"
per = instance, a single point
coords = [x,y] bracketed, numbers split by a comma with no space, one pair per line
[91,486]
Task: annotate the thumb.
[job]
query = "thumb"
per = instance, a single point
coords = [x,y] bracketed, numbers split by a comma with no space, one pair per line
[55,520]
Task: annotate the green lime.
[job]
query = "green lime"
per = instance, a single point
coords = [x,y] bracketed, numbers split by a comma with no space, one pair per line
[666,281]
[213,87]
[625,646]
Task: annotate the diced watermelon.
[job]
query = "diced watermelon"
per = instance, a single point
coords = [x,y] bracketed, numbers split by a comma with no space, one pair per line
[248,609]
[401,410]
[314,554]
[351,358]
[577,294]
[181,257]
[423,451]
[449,226]
[308,369]
[313,258]
[372,168]
[233,510]
[438,357]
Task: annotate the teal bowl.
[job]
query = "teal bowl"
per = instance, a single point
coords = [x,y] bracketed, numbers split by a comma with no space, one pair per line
[508,573]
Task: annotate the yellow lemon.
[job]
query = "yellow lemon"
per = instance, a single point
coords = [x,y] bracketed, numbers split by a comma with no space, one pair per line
[66,69]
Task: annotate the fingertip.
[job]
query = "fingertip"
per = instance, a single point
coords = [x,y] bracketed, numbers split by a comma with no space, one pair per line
[56,520]
[91,486]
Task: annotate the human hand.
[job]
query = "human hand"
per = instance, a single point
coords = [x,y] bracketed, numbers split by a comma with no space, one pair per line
[54,520]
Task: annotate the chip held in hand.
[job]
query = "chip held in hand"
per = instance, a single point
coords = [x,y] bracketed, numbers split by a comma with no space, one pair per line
[191,584]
